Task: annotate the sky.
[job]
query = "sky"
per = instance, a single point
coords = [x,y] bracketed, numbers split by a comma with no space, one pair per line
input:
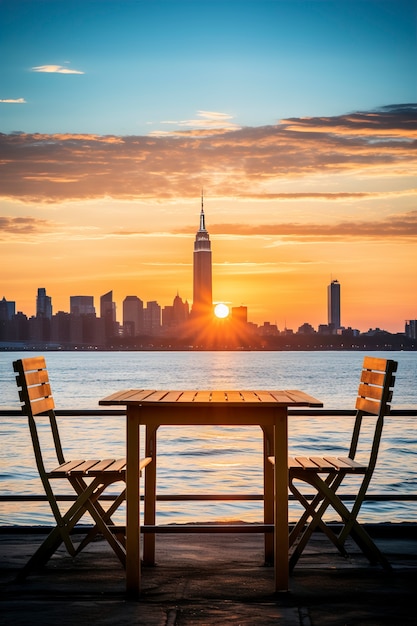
[297,118]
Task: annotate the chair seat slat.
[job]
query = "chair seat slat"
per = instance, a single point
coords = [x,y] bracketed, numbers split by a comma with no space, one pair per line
[68,466]
[323,463]
[339,463]
[116,466]
[306,463]
[101,465]
[354,465]
[84,466]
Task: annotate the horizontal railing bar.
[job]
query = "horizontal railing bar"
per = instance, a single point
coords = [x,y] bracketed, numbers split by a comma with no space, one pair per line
[376,497]
[291,412]
[217,527]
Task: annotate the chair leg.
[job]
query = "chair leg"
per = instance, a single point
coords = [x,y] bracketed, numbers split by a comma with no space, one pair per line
[84,503]
[90,497]
[106,515]
[303,530]
[354,528]
[55,538]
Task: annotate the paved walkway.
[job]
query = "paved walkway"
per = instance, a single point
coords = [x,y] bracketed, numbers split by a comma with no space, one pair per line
[207,580]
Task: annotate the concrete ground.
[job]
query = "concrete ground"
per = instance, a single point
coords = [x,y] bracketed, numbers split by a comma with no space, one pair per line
[207,580]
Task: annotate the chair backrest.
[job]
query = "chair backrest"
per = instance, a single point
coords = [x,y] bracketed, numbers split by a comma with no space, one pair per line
[374,397]
[36,395]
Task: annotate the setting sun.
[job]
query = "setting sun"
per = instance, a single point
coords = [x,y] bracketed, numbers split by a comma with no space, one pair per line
[221,310]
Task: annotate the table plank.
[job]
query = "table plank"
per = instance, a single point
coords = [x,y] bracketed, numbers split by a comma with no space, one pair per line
[171,396]
[187,396]
[203,396]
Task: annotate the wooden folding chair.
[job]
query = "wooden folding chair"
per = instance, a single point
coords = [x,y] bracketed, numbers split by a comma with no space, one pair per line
[326,473]
[89,478]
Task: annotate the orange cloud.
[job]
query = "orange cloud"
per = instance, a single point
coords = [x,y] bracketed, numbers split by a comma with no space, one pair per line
[22,226]
[239,163]
[404,226]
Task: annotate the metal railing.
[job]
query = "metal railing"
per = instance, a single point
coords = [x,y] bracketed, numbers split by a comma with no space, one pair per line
[68,413]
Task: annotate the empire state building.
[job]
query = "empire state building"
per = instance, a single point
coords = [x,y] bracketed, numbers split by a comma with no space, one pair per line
[202,281]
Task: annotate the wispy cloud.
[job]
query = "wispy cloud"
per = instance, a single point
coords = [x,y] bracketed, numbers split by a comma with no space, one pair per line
[14,101]
[394,226]
[55,69]
[212,121]
[22,225]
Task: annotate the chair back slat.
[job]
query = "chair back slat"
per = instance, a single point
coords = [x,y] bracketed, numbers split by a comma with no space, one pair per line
[370,391]
[370,377]
[43,405]
[38,377]
[35,392]
[368,406]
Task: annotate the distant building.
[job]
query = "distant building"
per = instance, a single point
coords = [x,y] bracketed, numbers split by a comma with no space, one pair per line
[82,305]
[333,305]
[411,329]
[7,310]
[175,315]
[240,314]
[306,329]
[108,314]
[152,318]
[202,271]
[132,316]
[43,305]
[268,330]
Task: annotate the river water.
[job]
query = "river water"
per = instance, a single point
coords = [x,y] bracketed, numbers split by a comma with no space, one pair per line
[208,459]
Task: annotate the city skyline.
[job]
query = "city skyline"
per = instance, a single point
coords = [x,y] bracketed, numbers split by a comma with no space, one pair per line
[298,118]
[138,319]
[202,304]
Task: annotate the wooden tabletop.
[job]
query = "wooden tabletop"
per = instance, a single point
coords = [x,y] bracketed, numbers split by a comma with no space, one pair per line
[283,397]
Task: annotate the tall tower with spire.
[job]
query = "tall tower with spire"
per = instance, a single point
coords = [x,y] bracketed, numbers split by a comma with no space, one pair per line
[202,275]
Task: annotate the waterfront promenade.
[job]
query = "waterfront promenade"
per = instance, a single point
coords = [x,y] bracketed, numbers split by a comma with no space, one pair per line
[212,580]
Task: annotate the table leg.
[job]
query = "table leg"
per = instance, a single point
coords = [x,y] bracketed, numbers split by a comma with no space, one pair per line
[268,433]
[281,500]
[132,502]
[150,495]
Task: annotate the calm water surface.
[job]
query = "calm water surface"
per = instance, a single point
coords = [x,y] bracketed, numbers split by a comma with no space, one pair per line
[209,459]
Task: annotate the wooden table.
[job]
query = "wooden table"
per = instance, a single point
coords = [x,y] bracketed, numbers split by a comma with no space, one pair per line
[152,408]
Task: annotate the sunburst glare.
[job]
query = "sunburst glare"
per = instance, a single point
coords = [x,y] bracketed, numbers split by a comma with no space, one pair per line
[221,310]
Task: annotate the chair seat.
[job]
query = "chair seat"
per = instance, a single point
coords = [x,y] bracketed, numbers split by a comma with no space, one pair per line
[326,464]
[94,467]
[320,465]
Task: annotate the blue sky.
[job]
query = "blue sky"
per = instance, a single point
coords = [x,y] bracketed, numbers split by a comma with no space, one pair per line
[142,67]
[299,119]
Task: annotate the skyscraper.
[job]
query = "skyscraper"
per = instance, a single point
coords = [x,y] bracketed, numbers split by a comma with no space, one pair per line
[82,305]
[7,310]
[108,314]
[132,316]
[202,275]
[333,304]
[43,305]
